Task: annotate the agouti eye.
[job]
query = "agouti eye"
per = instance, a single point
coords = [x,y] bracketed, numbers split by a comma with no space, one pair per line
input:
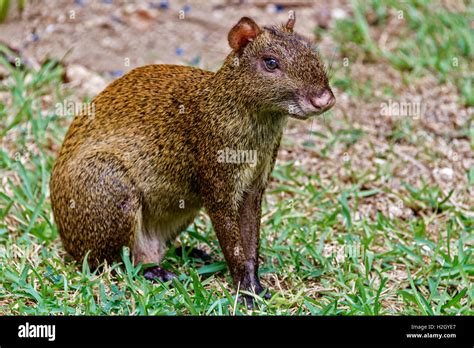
[270,63]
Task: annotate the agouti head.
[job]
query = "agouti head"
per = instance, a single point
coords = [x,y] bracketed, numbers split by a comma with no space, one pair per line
[286,74]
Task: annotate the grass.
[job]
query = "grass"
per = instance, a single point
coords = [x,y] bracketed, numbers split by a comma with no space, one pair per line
[326,249]
[5,7]
[427,37]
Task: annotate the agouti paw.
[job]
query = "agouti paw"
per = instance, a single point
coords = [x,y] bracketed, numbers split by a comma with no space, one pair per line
[194,253]
[264,293]
[158,273]
[250,300]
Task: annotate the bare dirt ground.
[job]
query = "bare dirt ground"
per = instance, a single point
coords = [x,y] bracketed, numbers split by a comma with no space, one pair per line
[103,36]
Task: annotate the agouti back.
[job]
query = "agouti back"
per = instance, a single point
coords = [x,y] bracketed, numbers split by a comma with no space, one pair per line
[156,150]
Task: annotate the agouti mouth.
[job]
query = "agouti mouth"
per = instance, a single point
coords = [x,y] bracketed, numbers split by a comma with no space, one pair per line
[300,117]
[299,114]
[305,107]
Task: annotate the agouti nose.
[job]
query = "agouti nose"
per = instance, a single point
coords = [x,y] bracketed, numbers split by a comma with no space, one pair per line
[323,101]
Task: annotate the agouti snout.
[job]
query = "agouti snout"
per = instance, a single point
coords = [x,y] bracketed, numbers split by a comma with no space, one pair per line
[167,140]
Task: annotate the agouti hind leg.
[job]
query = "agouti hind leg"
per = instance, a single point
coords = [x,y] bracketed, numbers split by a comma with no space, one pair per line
[95,206]
[150,248]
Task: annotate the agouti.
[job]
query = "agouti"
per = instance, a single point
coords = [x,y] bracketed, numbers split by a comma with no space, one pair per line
[166,140]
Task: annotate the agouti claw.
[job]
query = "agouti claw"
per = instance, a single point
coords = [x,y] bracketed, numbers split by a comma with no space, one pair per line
[158,273]
[250,300]
[264,293]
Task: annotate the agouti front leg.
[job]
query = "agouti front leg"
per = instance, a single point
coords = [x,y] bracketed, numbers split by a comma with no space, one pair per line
[250,214]
[237,229]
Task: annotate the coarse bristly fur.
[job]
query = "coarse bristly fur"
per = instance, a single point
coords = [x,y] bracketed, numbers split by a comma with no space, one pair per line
[137,170]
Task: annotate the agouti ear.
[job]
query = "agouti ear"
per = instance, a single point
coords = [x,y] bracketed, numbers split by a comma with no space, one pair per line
[291,21]
[242,33]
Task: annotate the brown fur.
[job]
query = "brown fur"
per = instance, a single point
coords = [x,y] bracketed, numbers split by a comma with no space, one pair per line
[123,174]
